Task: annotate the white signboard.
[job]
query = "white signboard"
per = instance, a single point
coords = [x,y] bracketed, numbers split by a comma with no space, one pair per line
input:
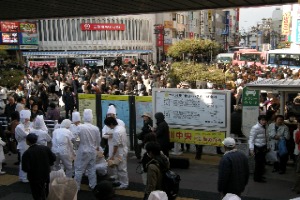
[193,108]
[250,115]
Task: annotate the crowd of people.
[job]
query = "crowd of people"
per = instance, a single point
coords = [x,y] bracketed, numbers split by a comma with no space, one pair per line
[42,92]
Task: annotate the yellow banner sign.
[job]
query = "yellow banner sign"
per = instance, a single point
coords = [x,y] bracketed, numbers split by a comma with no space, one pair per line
[201,137]
[286,22]
[114,97]
[143,98]
[86,96]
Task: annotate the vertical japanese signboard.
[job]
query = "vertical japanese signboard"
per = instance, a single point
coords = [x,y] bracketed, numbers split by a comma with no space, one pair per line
[250,102]
[286,21]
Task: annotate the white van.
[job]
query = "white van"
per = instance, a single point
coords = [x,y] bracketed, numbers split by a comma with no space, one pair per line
[224,58]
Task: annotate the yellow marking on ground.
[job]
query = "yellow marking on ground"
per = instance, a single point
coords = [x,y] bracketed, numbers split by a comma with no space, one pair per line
[136,194]
[8,179]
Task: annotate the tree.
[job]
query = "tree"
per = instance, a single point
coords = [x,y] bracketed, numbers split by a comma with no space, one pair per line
[10,78]
[193,47]
[183,71]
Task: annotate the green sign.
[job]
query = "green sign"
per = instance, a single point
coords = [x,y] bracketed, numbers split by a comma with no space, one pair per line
[250,97]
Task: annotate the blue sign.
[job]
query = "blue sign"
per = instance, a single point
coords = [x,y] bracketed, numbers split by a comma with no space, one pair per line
[298,32]
[29,38]
[122,106]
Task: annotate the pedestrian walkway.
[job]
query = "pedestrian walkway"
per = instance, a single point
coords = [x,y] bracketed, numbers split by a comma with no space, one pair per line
[198,182]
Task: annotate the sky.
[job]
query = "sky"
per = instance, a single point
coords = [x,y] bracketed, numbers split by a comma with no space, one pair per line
[251,16]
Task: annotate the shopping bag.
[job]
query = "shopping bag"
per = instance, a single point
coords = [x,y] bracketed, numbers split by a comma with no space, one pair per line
[282,149]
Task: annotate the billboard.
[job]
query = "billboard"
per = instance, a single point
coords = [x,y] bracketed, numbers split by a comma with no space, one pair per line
[298,32]
[286,22]
[10,38]
[27,27]
[29,38]
[9,26]
[102,27]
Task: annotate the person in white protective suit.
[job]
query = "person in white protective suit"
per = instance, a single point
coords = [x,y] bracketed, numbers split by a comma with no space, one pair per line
[119,153]
[21,131]
[62,147]
[107,132]
[37,129]
[42,125]
[76,119]
[89,144]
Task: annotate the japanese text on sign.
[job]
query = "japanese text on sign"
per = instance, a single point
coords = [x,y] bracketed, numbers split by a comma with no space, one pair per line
[200,137]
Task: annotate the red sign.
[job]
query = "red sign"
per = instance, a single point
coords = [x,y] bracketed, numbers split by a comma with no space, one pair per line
[9,26]
[160,40]
[102,27]
[191,35]
[41,63]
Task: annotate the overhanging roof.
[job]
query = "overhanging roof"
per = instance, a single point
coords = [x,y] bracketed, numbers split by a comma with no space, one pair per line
[275,85]
[74,54]
[32,9]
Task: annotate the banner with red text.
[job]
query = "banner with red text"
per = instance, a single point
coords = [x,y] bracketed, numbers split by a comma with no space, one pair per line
[201,137]
[41,63]
[102,27]
[9,26]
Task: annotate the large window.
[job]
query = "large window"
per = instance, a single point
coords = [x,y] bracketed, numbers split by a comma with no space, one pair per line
[250,57]
[284,59]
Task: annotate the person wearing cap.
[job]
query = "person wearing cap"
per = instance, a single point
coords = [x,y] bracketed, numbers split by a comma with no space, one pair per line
[118,152]
[36,161]
[76,119]
[21,131]
[89,144]
[233,170]
[43,136]
[147,125]
[62,147]
[106,131]
[258,146]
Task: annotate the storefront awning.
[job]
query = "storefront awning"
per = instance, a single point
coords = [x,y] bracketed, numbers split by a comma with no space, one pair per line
[116,53]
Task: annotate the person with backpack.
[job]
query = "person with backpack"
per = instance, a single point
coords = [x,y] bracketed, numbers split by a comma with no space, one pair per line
[155,168]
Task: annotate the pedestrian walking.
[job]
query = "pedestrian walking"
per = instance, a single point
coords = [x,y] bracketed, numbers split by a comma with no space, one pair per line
[258,140]
[233,170]
[89,144]
[36,161]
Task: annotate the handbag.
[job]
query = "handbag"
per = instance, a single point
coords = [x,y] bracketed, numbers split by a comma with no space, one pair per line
[282,149]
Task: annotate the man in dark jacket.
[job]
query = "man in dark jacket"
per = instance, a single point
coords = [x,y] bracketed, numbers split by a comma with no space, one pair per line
[146,129]
[162,133]
[233,170]
[10,107]
[69,100]
[36,161]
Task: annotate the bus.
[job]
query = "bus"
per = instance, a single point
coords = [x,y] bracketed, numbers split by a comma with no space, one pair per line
[249,56]
[284,58]
[224,58]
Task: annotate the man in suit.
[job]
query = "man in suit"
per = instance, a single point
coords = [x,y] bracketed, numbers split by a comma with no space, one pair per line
[36,161]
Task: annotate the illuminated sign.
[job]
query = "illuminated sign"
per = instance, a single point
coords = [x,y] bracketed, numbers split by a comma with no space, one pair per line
[102,27]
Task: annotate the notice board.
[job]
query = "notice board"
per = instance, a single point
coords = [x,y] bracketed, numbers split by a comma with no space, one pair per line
[195,116]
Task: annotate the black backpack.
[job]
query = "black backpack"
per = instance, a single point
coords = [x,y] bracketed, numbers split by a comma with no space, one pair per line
[170,184]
